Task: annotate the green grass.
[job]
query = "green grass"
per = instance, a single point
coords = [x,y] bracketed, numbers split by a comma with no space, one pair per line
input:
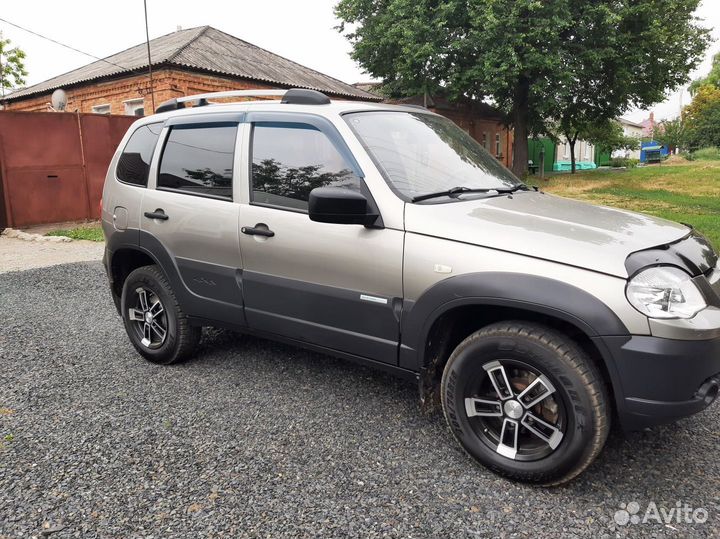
[706,154]
[683,192]
[91,233]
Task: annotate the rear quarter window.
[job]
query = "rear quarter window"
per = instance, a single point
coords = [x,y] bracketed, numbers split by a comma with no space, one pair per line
[134,164]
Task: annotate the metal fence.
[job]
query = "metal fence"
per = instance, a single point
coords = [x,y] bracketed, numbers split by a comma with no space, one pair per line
[53,165]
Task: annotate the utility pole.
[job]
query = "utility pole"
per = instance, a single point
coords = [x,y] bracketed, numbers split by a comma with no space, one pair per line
[147,39]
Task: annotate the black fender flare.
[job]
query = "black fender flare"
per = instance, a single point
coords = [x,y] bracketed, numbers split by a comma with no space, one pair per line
[194,305]
[532,293]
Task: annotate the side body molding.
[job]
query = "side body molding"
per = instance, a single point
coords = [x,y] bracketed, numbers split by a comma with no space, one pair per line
[225,308]
[528,292]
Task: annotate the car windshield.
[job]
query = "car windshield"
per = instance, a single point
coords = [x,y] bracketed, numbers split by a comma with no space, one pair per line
[424,153]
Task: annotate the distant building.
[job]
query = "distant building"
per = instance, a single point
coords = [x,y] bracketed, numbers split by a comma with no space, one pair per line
[584,156]
[631,129]
[484,123]
[648,125]
[186,62]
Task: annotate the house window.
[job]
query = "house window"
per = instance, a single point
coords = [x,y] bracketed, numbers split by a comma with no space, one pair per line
[134,107]
[485,140]
[101,109]
[566,150]
[588,151]
[498,145]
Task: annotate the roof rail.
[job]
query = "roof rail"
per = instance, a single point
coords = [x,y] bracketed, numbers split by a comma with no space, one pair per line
[293,96]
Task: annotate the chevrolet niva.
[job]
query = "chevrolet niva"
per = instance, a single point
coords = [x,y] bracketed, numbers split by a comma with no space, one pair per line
[387,235]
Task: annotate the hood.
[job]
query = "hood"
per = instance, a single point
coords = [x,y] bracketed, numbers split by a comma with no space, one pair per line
[545,226]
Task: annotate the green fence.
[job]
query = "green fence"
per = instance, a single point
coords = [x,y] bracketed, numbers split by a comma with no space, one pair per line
[535,147]
[602,159]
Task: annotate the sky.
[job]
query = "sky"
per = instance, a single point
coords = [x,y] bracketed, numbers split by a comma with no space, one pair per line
[301,30]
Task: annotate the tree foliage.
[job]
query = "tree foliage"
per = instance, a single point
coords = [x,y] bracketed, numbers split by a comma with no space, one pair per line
[671,133]
[702,118]
[572,62]
[608,136]
[711,79]
[12,66]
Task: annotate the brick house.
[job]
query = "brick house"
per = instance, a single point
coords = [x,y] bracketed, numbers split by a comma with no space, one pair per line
[484,123]
[186,62]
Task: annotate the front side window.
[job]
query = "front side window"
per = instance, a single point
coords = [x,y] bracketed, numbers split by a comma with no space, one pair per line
[134,163]
[424,153]
[199,161]
[291,159]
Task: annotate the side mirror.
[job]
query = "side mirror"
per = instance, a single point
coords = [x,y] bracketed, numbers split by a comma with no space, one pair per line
[340,206]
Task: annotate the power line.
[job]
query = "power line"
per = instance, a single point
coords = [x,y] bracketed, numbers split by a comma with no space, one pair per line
[67,46]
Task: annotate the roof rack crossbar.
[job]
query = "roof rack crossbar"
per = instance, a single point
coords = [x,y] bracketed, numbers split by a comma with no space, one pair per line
[296,96]
[232,93]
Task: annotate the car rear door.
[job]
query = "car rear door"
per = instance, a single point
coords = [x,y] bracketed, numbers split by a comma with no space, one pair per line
[189,214]
[337,286]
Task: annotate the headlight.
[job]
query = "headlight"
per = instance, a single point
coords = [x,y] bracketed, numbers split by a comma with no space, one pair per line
[665,292]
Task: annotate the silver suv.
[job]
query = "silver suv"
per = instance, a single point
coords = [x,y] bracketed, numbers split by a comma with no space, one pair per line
[387,235]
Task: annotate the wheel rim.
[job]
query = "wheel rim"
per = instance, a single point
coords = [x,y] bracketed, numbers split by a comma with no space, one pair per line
[516,411]
[148,318]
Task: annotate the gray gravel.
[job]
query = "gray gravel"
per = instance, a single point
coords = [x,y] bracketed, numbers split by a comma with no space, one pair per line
[257,439]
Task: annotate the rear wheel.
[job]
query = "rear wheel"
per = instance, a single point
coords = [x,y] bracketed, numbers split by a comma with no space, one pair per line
[526,401]
[154,320]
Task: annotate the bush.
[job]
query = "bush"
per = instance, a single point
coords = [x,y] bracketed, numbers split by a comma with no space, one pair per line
[623,162]
[706,154]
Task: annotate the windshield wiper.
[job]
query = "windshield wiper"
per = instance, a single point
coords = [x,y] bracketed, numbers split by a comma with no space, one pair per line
[456,191]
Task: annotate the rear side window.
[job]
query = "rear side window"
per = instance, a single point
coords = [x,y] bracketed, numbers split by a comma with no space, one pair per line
[199,161]
[134,163]
[291,159]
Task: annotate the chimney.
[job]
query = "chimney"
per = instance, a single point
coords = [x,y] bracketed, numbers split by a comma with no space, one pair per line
[652,117]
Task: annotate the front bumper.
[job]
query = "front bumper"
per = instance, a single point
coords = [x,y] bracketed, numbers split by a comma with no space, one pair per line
[658,380]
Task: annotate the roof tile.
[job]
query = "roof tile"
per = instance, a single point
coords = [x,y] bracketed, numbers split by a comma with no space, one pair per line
[208,49]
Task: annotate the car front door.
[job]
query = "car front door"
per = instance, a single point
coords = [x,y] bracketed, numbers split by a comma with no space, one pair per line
[334,285]
[189,215]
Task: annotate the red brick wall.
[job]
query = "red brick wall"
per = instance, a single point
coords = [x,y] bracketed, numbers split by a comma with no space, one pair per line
[476,126]
[168,83]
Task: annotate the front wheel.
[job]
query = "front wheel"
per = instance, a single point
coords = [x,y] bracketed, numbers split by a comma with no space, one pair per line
[153,318]
[526,402]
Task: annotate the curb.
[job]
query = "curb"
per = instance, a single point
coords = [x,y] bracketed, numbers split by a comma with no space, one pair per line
[25,236]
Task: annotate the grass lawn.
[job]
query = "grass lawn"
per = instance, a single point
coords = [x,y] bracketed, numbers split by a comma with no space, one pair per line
[683,192]
[92,233]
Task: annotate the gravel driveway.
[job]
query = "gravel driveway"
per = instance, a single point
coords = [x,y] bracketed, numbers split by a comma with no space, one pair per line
[255,439]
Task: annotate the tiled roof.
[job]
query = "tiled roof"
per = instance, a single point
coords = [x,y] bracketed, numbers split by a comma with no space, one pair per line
[206,49]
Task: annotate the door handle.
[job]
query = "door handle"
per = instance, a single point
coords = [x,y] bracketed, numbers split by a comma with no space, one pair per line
[255,231]
[157,214]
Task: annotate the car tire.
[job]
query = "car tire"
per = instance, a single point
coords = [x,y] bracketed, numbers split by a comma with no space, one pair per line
[153,318]
[526,401]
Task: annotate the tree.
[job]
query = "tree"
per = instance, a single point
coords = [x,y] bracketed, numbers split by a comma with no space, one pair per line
[702,118]
[609,136]
[530,58]
[671,133]
[711,79]
[12,66]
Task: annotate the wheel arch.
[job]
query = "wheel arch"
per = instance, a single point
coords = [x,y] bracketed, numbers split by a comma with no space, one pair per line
[454,308]
[124,261]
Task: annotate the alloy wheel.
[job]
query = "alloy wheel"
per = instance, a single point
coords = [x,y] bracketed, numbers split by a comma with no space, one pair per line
[516,411]
[148,318]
